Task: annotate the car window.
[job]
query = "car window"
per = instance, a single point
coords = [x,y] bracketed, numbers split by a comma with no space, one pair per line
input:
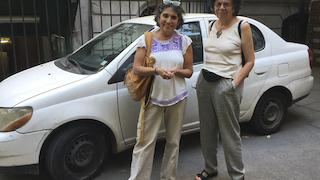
[102,50]
[119,75]
[258,39]
[193,30]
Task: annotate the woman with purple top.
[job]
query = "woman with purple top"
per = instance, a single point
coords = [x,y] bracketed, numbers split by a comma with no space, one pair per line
[173,54]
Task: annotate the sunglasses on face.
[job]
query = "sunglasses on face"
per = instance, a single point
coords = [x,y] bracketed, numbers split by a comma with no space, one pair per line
[174,3]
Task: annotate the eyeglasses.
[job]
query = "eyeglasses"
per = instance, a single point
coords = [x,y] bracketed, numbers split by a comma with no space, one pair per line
[174,3]
[219,5]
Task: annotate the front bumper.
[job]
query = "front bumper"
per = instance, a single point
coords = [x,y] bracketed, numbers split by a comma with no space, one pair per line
[20,151]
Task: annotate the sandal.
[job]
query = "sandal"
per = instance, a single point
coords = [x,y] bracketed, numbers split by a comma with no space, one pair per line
[204,175]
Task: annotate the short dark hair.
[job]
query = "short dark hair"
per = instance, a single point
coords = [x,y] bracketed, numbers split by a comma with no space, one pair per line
[236,6]
[176,9]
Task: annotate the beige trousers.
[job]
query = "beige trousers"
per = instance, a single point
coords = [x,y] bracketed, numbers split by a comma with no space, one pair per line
[142,156]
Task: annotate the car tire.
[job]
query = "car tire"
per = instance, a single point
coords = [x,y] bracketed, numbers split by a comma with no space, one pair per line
[76,153]
[269,114]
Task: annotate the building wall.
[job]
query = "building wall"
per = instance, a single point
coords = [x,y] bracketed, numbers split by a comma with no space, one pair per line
[106,13]
[314,29]
[271,14]
[82,29]
[102,14]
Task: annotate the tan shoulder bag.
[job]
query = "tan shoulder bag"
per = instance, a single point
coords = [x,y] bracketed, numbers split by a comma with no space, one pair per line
[139,86]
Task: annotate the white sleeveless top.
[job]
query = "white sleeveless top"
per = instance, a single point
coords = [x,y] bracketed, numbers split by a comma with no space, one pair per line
[223,54]
[168,55]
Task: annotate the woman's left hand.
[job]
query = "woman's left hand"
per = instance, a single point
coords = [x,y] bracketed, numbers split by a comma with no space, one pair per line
[181,72]
[235,83]
[174,71]
[165,74]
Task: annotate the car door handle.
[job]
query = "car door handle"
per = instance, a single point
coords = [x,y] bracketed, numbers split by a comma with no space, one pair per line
[194,85]
[260,73]
[261,70]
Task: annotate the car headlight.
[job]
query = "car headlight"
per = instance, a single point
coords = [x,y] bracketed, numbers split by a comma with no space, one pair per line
[14,118]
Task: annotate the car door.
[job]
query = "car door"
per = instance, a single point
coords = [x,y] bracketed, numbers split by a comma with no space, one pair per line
[260,72]
[128,109]
[195,29]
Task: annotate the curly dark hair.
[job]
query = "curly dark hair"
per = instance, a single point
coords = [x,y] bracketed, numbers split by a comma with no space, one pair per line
[176,9]
[236,4]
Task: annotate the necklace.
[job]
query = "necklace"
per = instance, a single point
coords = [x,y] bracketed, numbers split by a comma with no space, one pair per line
[219,32]
[222,27]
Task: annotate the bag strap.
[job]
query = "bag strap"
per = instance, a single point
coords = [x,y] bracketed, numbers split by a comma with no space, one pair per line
[211,25]
[239,28]
[145,99]
[243,62]
[148,38]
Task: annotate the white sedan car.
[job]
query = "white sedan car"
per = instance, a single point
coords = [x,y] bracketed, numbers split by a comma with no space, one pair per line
[67,115]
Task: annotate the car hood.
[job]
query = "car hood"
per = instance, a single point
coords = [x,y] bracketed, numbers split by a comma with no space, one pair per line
[34,81]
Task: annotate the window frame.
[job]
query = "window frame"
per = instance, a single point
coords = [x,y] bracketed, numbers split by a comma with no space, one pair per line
[256,29]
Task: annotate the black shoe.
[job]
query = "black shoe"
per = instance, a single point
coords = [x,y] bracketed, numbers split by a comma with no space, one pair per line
[204,175]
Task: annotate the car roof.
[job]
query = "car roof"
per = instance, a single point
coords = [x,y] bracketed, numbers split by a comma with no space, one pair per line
[271,36]
[150,19]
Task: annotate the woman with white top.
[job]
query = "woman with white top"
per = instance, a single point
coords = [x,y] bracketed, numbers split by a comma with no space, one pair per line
[173,54]
[219,88]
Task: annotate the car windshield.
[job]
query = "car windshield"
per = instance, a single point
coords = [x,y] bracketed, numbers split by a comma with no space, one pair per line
[102,50]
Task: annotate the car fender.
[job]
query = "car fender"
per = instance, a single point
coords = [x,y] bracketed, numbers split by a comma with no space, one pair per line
[66,104]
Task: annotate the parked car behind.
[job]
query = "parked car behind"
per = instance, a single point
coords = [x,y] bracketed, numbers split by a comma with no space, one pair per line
[67,115]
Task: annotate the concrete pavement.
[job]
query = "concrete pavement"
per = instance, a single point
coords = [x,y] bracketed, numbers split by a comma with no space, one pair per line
[291,154]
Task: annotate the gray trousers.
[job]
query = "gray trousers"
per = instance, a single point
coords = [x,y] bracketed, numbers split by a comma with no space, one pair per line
[219,111]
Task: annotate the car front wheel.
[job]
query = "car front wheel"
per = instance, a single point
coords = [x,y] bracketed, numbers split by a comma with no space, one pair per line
[269,114]
[76,153]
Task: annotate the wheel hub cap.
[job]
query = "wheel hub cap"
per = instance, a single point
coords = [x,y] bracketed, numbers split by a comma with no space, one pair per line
[272,112]
[81,154]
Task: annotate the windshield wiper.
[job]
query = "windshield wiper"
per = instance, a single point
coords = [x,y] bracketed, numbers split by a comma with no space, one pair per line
[77,64]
